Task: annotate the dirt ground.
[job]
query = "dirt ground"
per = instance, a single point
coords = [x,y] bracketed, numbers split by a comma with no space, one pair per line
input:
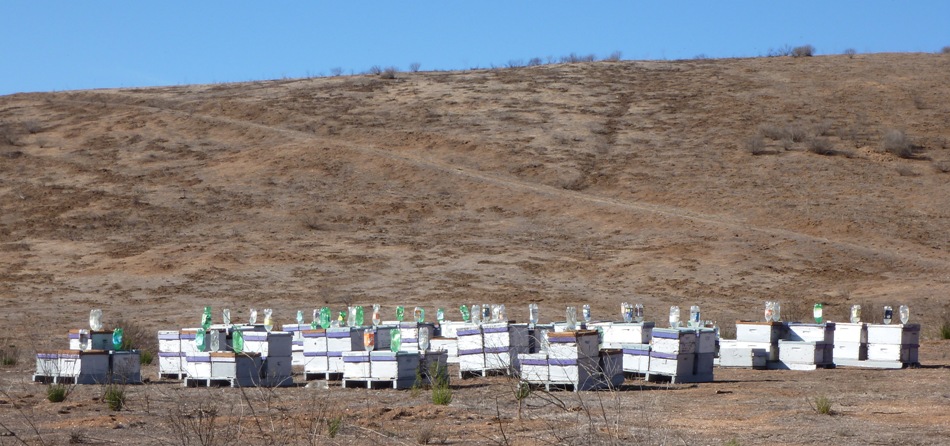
[719,183]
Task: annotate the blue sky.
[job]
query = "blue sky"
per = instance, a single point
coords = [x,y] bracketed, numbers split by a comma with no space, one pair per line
[69,45]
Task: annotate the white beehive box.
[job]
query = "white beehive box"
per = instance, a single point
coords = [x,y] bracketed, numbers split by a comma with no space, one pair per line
[275,343]
[903,353]
[855,351]
[619,333]
[169,341]
[409,332]
[394,366]
[733,355]
[448,345]
[314,340]
[811,332]
[171,363]
[244,369]
[471,351]
[672,364]
[502,343]
[79,339]
[198,365]
[534,367]
[85,367]
[893,334]
[296,331]
[636,358]
[805,353]
[581,344]
[851,333]
[579,372]
[765,332]
[448,329]
[771,350]
[356,365]
[674,341]
[344,339]
[277,371]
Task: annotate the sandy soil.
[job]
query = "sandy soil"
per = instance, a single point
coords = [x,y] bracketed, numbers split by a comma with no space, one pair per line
[666,183]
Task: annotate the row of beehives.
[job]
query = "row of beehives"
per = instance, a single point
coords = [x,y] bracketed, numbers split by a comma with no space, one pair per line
[799,346]
[92,358]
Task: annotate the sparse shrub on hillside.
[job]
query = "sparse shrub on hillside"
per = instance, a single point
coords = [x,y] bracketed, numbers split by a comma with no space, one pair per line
[755,145]
[515,63]
[376,69]
[796,132]
[803,51]
[897,143]
[414,67]
[9,354]
[823,128]
[534,61]
[945,50]
[850,52]
[942,166]
[389,73]
[821,146]
[907,171]
[772,131]
[574,58]
[614,56]
[336,71]
[821,405]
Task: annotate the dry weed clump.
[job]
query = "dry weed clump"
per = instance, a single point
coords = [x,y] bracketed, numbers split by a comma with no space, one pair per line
[821,146]
[897,143]
[803,51]
[850,52]
[755,145]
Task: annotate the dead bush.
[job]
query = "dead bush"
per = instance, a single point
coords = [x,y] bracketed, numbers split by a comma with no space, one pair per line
[945,50]
[414,67]
[755,145]
[942,166]
[389,73]
[850,52]
[897,143]
[821,146]
[803,51]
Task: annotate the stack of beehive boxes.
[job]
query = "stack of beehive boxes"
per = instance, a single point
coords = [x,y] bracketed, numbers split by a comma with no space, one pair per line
[492,347]
[851,344]
[756,345]
[633,339]
[296,331]
[893,346]
[574,359]
[171,358]
[315,354]
[276,350]
[90,359]
[683,355]
[340,340]
[409,334]
[807,347]
[447,339]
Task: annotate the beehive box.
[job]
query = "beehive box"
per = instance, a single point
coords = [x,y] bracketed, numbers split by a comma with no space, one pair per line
[188,338]
[771,350]
[275,343]
[674,341]
[903,353]
[582,373]
[79,339]
[764,332]
[243,369]
[534,367]
[356,365]
[581,344]
[125,367]
[611,367]
[344,339]
[538,338]
[503,343]
[893,334]
[80,367]
[394,366]
[448,345]
[706,339]
[851,333]
[409,331]
[471,351]
[433,365]
[744,354]
[636,358]
[198,365]
[448,329]
[672,364]
[619,333]
[169,341]
[801,355]
[811,332]
[854,351]
[277,371]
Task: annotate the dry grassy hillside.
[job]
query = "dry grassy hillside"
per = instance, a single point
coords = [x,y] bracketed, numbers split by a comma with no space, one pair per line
[722,183]
[597,182]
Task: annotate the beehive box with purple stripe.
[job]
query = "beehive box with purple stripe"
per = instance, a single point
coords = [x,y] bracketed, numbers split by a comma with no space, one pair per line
[169,341]
[811,332]
[448,345]
[636,358]
[399,367]
[409,331]
[171,363]
[356,365]
[503,343]
[275,343]
[344,339]
[674,341]
[578,344]
[602,371]
[471,349]
[80,367]
[296,342]
[534,367]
